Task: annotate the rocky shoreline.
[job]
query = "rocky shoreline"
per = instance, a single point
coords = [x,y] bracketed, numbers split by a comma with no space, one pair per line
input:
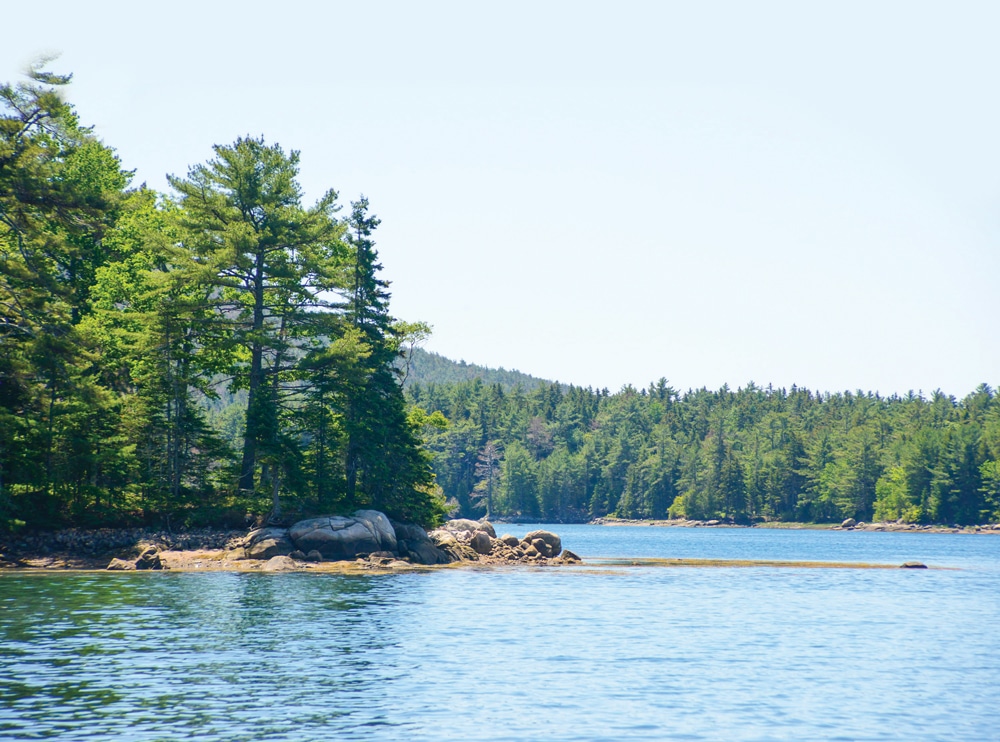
[848,525]
[366,540]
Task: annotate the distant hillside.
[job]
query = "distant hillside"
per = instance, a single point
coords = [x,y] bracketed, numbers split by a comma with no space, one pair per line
[426,367]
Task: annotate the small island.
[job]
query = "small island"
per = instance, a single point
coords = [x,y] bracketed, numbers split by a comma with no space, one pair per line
[224,355]
[364,541]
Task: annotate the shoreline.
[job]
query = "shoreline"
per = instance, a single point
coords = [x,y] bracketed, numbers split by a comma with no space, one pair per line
[211,550]
[469,543]
[987,529]
[219,560]
[185,562]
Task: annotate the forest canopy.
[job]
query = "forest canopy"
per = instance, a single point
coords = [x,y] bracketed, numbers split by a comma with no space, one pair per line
[749,455]
[127,315]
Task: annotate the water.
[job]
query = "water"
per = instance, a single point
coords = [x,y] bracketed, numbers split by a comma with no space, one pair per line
[586,653]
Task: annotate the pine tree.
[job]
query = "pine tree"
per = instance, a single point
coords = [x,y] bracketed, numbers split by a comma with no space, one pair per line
[270,261]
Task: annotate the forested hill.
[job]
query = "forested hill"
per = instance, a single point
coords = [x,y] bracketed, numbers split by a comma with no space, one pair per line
[746,455]
[430,368]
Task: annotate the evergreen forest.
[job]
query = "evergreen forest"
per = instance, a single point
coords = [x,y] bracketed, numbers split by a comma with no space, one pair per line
[755,454]
[225,350]
[130,322]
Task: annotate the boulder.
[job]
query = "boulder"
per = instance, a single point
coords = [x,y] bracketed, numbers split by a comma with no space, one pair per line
[149,559]
[121,565]
[414,544]
[553,545]
[340,537]
[265,543]
[510,540]
[463,524]
[905,565]
[297,555]
[849,523]
[314,556]
[279,563]
[481,542]
[569,556]
[452,547]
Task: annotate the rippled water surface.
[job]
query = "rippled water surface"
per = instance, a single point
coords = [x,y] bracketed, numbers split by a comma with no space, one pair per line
[560,653]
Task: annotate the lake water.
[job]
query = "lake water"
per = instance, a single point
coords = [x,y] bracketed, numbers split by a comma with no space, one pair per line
[589,653]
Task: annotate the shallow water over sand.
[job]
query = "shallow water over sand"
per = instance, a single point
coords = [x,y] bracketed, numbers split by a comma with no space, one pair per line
[599,652]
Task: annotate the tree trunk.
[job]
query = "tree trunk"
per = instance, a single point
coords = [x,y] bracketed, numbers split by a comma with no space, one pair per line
[256,377]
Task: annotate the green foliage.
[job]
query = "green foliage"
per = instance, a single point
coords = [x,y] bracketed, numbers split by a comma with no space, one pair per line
[141,337]
[747,455]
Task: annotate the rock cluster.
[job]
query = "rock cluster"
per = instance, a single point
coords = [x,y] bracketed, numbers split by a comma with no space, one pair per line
[366,536]
[476,541]
[371,538]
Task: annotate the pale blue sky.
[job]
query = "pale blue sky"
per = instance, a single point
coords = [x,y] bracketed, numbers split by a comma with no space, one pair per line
[606,194]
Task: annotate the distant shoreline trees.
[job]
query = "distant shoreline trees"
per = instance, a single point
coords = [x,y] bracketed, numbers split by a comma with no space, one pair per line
[747,455]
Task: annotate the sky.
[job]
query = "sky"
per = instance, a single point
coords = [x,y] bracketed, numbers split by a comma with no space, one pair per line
[606,194]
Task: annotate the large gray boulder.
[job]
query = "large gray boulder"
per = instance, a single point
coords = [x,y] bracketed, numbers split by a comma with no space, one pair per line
[265,543]
[414,544]
[339,537]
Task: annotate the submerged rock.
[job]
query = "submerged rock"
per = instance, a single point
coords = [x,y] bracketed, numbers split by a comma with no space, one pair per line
[913,565]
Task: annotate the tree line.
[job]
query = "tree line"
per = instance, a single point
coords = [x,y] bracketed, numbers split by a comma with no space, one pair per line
[126,314]
[749,455]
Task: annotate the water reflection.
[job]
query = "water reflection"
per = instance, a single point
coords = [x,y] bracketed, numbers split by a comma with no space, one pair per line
[638,653]
[228,655]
